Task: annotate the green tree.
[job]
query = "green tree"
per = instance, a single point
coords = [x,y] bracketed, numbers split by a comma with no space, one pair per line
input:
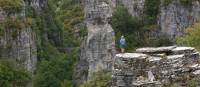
[125,24]
[11,6]
[138,32]
[99,79]
[151,11]
[56,61]
[12,75]
[54,70]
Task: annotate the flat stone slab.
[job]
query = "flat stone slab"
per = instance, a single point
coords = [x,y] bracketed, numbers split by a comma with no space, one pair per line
[183,49]
[141,83]
[172,57]
[132,55]
[151,58]
[155,49]
[197,72]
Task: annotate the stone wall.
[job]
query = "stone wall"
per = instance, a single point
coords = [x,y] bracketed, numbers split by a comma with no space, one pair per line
[156,67]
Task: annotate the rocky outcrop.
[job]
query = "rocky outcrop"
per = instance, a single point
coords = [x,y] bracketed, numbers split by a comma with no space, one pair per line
[174,16]
[18,42]
[156,67]
[99,46]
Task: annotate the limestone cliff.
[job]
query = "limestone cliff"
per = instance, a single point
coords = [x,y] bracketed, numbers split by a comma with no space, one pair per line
[156,67]
[174,16]
[18,41]
[98,49]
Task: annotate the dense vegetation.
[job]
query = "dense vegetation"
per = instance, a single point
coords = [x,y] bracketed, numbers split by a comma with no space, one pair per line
[60,30]
[99,79]
[57,57]
[139,31]
[124,24]
[12,75]
[191,37]
[151,11]
[11,6]
[57,43]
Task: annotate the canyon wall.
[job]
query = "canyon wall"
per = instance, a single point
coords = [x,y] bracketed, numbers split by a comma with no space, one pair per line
[98,49]
[174,15]
[18,41]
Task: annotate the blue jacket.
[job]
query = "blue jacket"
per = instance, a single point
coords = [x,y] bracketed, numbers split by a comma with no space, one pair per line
[122,41]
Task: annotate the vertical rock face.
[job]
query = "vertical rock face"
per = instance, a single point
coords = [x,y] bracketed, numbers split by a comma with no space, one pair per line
[156,67]
[82,66]
[173,17]
[99,45]
[19,43]
[176,16]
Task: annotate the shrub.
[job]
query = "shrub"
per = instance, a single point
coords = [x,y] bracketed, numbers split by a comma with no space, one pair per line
[167,2]
[11,75]
[193,83]
[55,68]
[11,6]
[151,11]
[124,24]
[99,79]
[191,37]
[14,23]
[137,32]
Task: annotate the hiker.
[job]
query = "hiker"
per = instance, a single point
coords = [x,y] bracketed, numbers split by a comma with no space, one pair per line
[122,44]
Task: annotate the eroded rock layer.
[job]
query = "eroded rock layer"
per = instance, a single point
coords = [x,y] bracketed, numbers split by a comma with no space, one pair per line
[156,67]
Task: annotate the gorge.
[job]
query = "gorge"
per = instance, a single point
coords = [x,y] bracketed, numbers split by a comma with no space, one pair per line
[61,43]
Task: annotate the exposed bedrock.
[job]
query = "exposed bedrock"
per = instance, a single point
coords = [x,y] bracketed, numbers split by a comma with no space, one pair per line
[173,17]
[156,67]
[98,50]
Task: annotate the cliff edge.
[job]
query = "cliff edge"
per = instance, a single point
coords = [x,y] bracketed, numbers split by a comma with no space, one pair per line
[156,67]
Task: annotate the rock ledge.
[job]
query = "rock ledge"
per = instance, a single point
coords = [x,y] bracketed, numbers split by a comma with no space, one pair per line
[156,67]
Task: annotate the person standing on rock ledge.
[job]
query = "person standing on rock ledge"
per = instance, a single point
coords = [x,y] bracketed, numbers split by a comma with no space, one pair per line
[122,44]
